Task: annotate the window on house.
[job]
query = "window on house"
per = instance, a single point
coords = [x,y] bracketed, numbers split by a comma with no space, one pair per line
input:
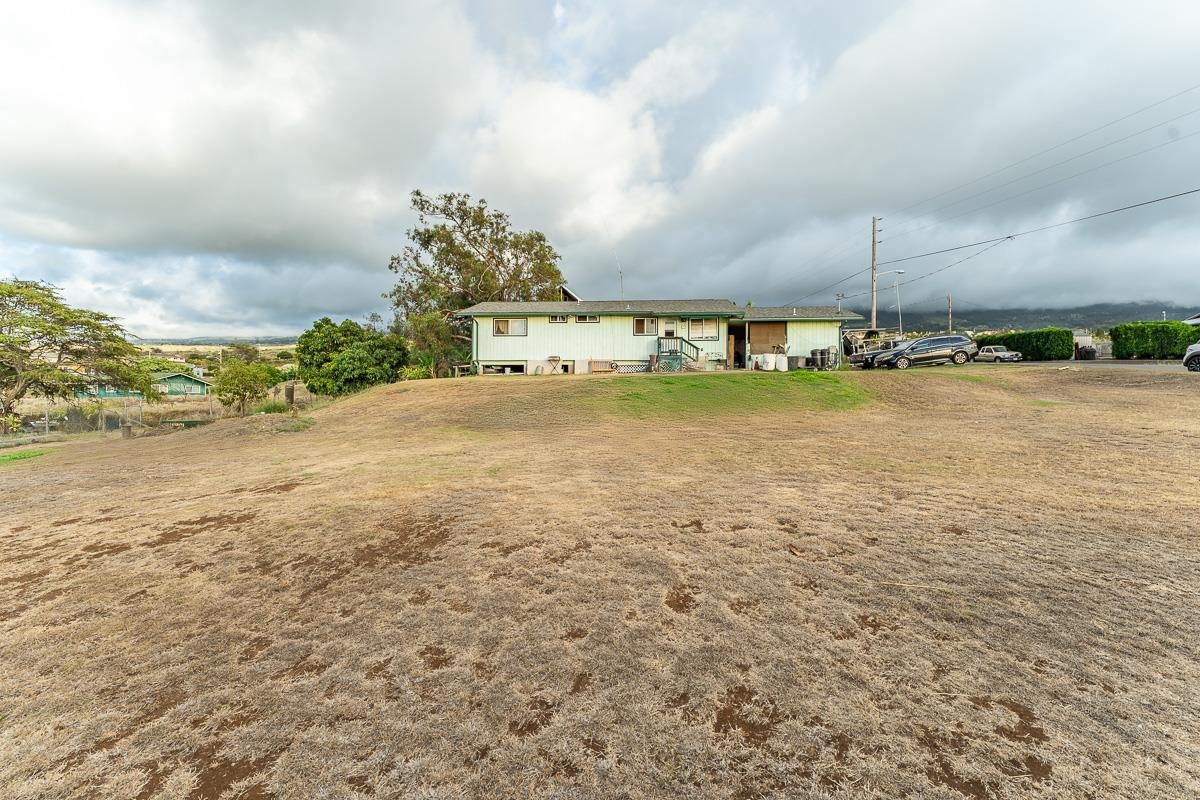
[509,327]
[702,329]
[645,326]
[560,318]
[587,318]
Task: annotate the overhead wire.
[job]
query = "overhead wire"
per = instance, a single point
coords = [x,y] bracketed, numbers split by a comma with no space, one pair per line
[995,242]
[1017,163]
[1050,167]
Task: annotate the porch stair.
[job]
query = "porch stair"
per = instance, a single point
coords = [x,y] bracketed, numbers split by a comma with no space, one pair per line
[677,353]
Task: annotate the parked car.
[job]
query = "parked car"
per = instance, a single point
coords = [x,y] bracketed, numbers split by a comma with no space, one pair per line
[997,352]
[954,349]
[1191,358]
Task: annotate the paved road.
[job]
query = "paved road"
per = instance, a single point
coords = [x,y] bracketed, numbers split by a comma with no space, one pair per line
[1107,363]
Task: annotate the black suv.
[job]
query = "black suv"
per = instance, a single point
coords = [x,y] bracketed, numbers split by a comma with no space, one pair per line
[929,350]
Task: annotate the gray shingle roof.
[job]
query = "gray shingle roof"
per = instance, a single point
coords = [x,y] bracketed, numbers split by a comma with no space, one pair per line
[664,308]
[765,313]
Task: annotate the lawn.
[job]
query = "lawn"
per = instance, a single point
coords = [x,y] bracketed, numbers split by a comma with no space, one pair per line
[846,585]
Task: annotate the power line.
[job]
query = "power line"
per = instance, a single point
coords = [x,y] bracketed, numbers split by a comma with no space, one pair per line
[839,253]
[1044,228]
[1056,164]
[994,242]
[1051,149]
[943,269]
[1055,183]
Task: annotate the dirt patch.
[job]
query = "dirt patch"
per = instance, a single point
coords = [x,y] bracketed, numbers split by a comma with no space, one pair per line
[943,775]
[204,524]
[541,711]
[253,648]
[741,710]
[62,522]
[419,597]
[435,656]
[582,682]
[872,623]
[575,633]
[681,598]
[278,488]
[217,775]
[1031,766]
[695,525]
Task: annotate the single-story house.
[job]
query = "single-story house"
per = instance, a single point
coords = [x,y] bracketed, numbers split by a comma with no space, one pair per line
[793,330]
[626,335]
[180,383]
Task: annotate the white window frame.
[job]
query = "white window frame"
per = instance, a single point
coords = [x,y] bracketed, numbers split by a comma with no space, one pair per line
[524,326]
[649,326]
[704,323]
[557,319]
[587,318]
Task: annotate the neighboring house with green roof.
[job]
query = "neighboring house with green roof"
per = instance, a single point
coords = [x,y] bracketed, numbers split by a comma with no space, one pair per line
[180,383]
[626,335]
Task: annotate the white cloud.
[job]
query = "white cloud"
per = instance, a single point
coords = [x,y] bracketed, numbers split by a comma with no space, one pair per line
[264,154]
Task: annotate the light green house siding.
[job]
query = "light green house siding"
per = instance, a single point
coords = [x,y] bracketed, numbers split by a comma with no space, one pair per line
[610,338]
[180,383]
[804,336]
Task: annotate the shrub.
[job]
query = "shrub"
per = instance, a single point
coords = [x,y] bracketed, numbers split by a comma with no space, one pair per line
[271,407]
[1169,339]
[1044,344]
[414,372]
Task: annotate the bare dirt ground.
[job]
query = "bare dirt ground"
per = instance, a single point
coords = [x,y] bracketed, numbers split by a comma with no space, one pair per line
[979,583]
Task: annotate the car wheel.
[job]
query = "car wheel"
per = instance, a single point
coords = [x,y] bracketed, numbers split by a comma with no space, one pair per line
[1193,365]
[960,357]
[903,362]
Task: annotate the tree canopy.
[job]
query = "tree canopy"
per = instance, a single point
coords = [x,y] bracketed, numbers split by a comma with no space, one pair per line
[335,359]
[462,253]
[52,349]
[238,383]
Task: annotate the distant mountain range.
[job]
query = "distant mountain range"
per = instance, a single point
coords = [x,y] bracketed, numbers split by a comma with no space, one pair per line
[972,317]
[218,340]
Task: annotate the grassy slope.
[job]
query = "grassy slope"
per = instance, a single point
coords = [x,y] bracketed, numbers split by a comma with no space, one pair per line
[706,586]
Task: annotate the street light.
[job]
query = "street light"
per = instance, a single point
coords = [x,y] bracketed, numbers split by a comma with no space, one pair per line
[897,287]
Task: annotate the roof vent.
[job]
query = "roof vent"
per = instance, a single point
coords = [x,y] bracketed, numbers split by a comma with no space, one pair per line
[793,312]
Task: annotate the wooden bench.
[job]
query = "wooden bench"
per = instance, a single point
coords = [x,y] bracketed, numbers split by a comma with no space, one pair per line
[601,366]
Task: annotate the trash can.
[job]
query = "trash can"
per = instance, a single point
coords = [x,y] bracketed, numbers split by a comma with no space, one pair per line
[795,362]
[1087,353]
[820,358]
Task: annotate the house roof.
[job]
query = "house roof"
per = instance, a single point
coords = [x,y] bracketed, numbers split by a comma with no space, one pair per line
[777,313]
[664,308]
[162,376]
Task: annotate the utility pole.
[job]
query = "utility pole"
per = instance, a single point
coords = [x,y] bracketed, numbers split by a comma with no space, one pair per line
[874,242]
[950,310]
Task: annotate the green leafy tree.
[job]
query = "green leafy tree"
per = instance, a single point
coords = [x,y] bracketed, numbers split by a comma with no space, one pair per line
[49,348]
[238,383]
[246,352]
[335,359]
[462,253]
[159,364]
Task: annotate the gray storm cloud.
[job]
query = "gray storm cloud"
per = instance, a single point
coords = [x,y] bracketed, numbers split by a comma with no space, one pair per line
[204,168]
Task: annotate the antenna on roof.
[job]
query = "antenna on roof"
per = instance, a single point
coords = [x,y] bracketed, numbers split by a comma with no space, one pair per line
[616,258]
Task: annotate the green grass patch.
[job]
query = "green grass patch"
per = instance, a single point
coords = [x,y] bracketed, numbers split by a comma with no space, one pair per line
[653,396]
[272,407]
[1045,403]
[299,424]
[21,455]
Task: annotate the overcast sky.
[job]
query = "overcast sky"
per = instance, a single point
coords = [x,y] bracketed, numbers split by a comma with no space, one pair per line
[244,168]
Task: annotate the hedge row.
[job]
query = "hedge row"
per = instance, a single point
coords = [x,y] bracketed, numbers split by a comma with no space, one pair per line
[1153,339]
[1044,344]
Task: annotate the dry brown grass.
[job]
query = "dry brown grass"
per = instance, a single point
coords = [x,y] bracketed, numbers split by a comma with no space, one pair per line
[983,583]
